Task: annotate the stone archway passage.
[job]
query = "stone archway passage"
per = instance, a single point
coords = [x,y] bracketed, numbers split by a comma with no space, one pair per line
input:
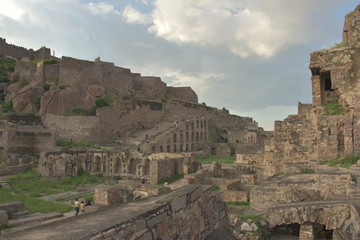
[340,216]
[132,166]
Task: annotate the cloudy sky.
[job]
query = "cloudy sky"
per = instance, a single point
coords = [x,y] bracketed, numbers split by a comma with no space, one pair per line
[249,56]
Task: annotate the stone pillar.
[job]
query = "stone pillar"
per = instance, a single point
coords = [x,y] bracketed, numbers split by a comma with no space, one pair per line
[307,231]
[316,90]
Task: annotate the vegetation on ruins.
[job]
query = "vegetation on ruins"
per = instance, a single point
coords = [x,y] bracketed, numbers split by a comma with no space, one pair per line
[307,171]
[126,98]
[215,133]
[345,162]
[28,186]
[216,188]
[257,219]
[171,179]
[23,81]
[108,100]
[238,203]
[333,108]
[166,99]
[79,112]
[209,160]
[340,45]
[7,106]
[68,144]
[46,87]
[6,65]
[37,101]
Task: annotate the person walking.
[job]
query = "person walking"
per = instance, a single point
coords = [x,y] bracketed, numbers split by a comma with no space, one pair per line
[77,206]
[82,207]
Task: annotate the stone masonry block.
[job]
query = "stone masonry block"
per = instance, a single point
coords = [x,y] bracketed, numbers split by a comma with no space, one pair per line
[178,203]
[3,217]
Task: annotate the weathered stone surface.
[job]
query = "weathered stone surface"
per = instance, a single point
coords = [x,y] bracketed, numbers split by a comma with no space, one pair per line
[96,90]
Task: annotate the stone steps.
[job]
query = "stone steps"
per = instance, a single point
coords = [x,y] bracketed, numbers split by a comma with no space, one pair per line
[31,221]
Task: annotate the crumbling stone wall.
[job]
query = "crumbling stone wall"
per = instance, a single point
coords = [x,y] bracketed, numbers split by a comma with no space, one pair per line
[125,192]
[164,165]
[304,187]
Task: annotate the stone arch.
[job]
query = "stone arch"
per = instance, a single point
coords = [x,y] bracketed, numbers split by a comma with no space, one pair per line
[60,166]
[174,147]
[161,148]
[197,136]
[168,148]
[97,163]
[181,137]
[132,166]
[192,136]
[335,215]
[187,136]
[146,167]
[117,165]
[175,138]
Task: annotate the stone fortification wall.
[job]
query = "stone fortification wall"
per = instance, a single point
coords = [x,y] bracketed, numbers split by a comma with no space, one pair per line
[13,50]
[190,212]
[27,141]
[298,188]
[77,128]
[351,33]
[150,87]
[185,93]
[12,207]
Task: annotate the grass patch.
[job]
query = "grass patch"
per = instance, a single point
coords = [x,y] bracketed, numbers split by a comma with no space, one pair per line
[208,160]
[67,145]
[133,136]
[345,162]
[216,188]
[340,45]
[171,179]
[239,203]
[307,171]
[37,101]
[29,185]
[46,87]
[333,108]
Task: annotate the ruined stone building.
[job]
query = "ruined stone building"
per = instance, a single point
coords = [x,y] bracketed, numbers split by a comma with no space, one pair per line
[329,127]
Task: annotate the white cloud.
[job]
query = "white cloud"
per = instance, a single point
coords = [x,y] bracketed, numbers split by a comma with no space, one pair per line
[10,9]
[132,15]
[242,30]
[101,8]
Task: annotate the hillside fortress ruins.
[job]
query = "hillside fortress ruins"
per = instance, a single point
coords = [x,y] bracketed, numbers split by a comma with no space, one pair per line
[148,130]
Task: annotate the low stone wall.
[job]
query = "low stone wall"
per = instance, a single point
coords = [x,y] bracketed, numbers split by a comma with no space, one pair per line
[12,207]
[191,212]
[15,169]
[125,192]
[28,141]
[236,196]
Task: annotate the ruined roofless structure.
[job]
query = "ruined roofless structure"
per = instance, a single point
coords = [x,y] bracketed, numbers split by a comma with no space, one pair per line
[328,128]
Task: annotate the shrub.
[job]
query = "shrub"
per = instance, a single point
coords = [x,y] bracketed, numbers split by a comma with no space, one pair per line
[79,111]
[46,87]
[2,97]
[307,171]
[37,101]
[345,162]
[171,179]
[216,188]
[333,108]
[108,100]
[7,107]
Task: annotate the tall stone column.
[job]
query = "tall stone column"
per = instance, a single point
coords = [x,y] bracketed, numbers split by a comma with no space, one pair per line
[307,231]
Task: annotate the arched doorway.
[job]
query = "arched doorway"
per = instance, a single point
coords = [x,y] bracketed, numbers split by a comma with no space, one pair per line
[132,166]
[146,167]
